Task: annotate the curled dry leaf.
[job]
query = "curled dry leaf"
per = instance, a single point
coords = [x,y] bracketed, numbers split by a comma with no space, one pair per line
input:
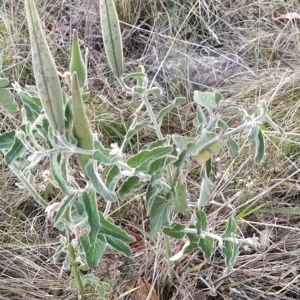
[144,290]
[140,242]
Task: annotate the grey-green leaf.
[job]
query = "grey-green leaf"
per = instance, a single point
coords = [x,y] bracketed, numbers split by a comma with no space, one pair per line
[230,251]
[108,228]
[205,192]
[253,132]
[176,102]
[112,38]
[230,228]
[207,99]
[93,252]
[15,151]
[98,184]
[137,127]
[130,186]
[104,155]
[175,230]
[45,72]
[202,142]
[91,208]
[206,245]
[159,216]
[180,198]
[63,210]
[7,101]
[56,174]
[233,147]
[31,104]
[116,244]
[259,147]
[201,223]
[142,160]
[3,82]
[113,176]
[7,140]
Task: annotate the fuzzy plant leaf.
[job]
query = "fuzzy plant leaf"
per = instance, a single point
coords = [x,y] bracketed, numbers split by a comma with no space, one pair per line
[3,82]
[204,155]
[260,147]
[176,102]
[81,127]
[176,230]
[15,152]
[206,244]
[108,228]
[233,148]
[91,209]
[207,99]
[180,198]
[7,101]
[204,141]
[44,69]
[158,215]
[93,252]
[98,183]
[230,251]
[205,192]
[201,223]
[112,36]
[77,63]
[7,140]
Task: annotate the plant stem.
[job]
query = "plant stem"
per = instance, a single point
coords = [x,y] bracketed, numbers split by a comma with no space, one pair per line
[75,272]
[168,255]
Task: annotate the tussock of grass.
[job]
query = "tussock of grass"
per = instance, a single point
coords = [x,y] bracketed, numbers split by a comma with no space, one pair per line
[258,46]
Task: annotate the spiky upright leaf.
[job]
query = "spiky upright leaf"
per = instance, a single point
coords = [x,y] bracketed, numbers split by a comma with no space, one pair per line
[112,36]
[81,126]
[77,64]
[44,69]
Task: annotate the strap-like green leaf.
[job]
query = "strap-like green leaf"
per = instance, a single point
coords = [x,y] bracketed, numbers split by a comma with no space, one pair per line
[260,147]
[91,209]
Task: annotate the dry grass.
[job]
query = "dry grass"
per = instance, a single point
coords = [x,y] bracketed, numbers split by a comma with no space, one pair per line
[256,46]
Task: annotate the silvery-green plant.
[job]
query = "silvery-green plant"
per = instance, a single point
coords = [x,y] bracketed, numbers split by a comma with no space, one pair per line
[55,127]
